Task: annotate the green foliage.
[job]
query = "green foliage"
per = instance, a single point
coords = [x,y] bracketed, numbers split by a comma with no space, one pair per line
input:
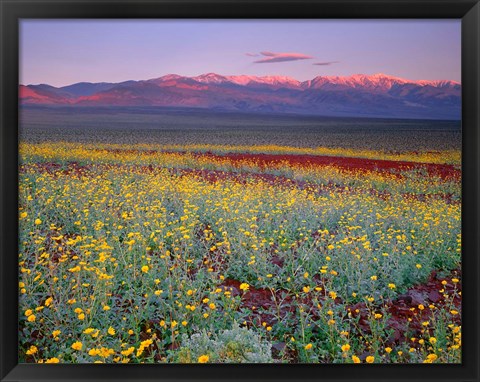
[236,345]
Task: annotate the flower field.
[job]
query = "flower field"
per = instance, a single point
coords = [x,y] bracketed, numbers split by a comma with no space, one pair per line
[153,253]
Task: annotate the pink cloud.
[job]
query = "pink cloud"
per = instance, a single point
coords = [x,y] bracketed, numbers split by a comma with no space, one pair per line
[252,54]
[270,54]
[326,63]
[281,57]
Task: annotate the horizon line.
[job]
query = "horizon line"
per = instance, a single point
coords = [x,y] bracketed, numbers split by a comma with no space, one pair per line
[245,75]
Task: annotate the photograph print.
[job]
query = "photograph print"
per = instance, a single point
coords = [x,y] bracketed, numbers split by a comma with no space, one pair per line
[240,191]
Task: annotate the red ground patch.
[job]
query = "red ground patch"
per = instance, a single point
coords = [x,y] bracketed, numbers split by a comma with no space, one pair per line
[406,318]
[264,160]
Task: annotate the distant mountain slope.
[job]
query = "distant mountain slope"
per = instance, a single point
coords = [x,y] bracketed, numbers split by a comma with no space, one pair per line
[87,88]
[43,95]
[378,95]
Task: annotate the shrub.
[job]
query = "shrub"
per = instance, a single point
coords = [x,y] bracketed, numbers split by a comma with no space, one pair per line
[236,345]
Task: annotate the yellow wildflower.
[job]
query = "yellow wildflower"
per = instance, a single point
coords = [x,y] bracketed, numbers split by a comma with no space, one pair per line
[32,350]
[127,352]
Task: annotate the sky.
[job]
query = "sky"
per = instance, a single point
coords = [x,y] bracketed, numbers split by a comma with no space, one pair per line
[63,52]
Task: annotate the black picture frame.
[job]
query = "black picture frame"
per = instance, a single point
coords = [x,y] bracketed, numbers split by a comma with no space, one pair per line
[466,10]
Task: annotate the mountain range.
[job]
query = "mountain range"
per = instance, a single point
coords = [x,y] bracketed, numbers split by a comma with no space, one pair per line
[359,95]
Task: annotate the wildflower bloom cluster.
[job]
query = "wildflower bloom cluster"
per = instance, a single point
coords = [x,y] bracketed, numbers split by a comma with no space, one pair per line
[130,254]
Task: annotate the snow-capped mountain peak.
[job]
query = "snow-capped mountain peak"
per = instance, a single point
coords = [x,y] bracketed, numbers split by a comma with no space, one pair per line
[210,78]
